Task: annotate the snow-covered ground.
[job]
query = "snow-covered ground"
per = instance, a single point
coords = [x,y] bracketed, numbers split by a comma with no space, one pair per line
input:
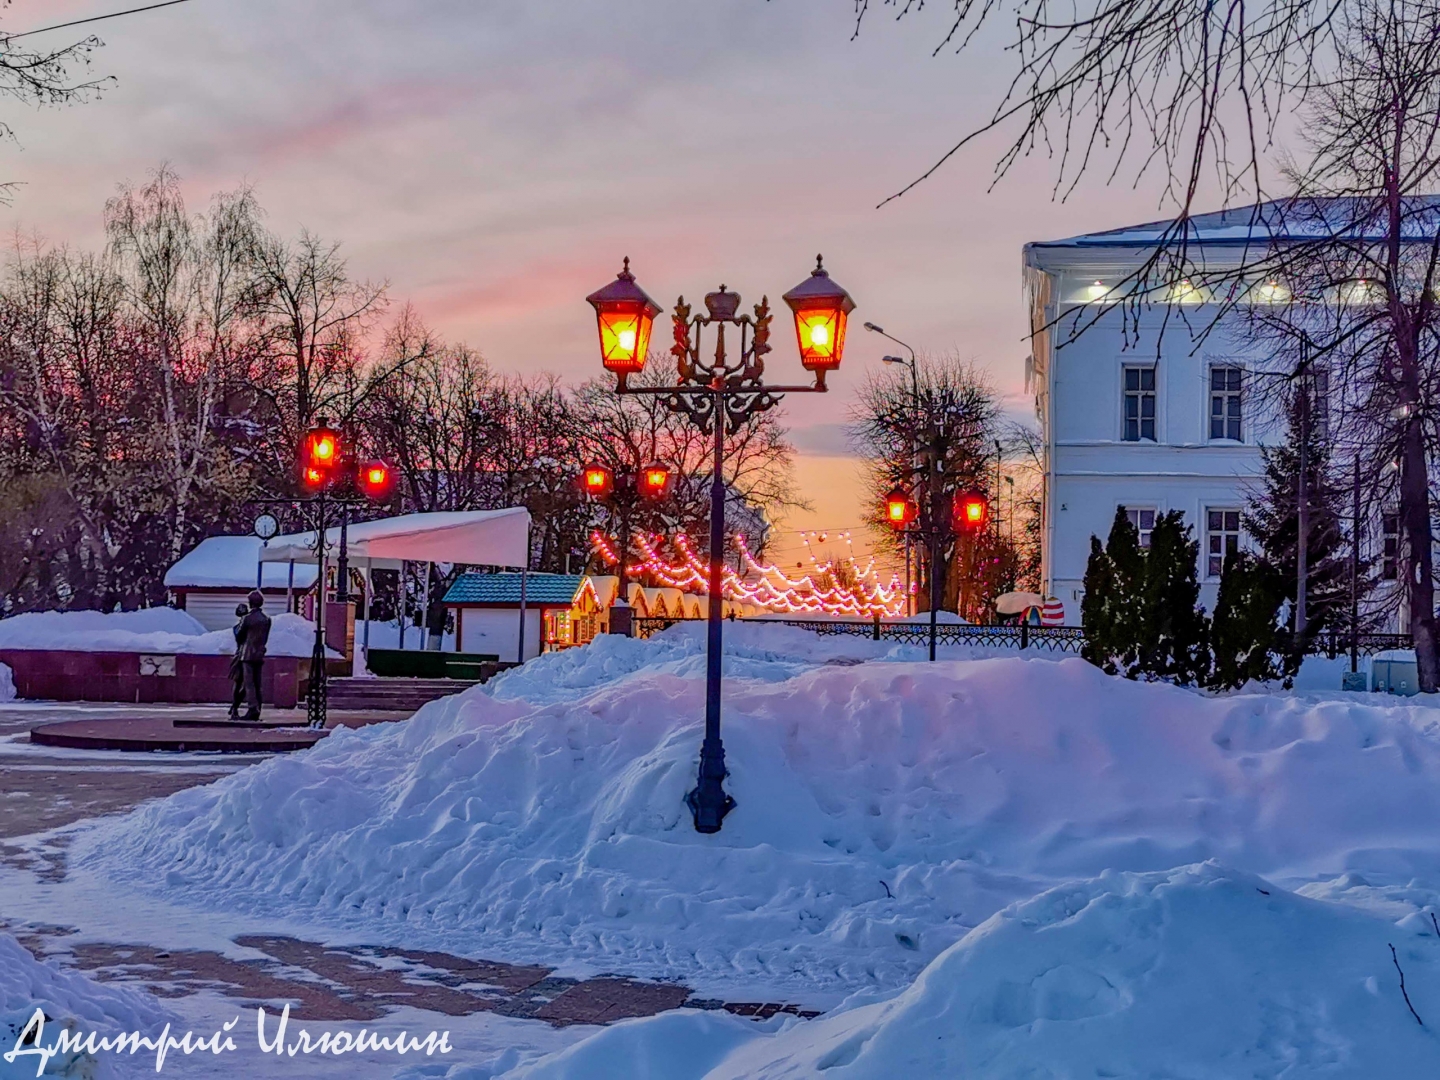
[160,630]
[70,1002]
[1020,834]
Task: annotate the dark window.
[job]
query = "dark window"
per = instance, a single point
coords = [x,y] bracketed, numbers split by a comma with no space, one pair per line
[1225,403]
[1320,401]
[1390,559]
[1222,539]
[1139,404]
[1144,522]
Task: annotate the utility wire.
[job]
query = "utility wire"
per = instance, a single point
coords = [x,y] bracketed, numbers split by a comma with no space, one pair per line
[92,19]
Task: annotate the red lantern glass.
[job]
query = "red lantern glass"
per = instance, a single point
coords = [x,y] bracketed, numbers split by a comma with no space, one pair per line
[972,512]
[596,481]
[654,480]
[319,456]
[624,315]
[376,480]
[899,510]
[821,310]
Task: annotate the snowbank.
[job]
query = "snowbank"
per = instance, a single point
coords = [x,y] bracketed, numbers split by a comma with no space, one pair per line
[1199,972]
[7,683]
[160,630]
[71,1001]
[885,808]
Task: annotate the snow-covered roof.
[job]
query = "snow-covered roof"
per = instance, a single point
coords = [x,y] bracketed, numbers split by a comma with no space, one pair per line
[1278,221]
[230,562]
[478,537]
[504,588]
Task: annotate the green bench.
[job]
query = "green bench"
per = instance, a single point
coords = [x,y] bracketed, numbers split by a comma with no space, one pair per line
[425,664]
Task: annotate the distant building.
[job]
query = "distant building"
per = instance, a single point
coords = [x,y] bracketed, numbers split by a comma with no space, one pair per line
[487,612]
[219,573]
[1162,422]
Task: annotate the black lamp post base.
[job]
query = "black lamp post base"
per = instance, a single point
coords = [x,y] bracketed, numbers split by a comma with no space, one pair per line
[708,801]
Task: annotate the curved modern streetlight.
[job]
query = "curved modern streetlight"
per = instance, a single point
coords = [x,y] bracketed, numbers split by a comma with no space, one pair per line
[719,394]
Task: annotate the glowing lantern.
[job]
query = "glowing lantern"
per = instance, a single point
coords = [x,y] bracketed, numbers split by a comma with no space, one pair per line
[376,481]
[596,481]
[319,456]
[654,481]
[972,512]
[899,510]
[821,309]
[625,315]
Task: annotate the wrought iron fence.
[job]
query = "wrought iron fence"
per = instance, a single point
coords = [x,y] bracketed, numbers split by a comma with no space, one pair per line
[1060,639]
[1053,638]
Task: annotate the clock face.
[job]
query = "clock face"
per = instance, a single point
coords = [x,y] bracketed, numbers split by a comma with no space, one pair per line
[266,526]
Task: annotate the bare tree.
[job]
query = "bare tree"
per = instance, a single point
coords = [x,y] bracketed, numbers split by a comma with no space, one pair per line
[628,432]
[950,420]
[317,317]
[1353,291]
[187,281]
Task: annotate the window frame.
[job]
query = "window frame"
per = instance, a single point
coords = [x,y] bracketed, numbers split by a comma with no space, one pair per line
[1390,545]
[1232,400]
[1140,393]
[1226,549]
[1133,514]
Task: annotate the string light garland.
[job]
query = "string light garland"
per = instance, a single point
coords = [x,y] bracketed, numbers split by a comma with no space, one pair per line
[766,585]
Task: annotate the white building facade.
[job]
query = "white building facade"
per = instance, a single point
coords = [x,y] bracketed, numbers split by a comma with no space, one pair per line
[1132,416]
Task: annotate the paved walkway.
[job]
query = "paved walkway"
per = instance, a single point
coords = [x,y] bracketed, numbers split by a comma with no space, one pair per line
[41,791]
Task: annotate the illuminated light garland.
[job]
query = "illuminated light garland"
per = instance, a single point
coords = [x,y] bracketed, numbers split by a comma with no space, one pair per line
[766,585]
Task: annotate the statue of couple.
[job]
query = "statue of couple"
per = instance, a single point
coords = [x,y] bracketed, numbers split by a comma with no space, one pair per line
[252,632]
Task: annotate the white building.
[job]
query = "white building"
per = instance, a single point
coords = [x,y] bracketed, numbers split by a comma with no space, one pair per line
[1157,423]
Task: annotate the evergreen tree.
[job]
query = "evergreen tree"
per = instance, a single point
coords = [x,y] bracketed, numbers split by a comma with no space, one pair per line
[1139,610]
[1097,608]
[1272,518]
[1113,577]
[1174,637]
[1246,640]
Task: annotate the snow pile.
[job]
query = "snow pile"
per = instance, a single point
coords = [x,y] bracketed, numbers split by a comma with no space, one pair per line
[71,1002]
[1199,972]
[161,630]
[7,683]
[884,808]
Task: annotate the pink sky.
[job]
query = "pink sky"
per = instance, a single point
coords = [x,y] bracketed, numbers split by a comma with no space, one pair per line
[494,161]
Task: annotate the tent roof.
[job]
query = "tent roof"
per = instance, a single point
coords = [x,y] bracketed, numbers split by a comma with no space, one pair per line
[231,562]
[505,589]
[480,537]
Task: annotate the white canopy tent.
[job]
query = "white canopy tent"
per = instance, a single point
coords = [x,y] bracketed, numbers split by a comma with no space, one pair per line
[475,537]
[479,537]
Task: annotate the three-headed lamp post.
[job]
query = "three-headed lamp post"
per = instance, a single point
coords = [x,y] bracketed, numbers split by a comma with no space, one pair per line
[719,394]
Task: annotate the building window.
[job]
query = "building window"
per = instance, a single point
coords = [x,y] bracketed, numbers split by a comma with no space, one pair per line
[1140,404]
[1144,522]
[1222,539]
[1320,401]
[1390,559]
[1225,403]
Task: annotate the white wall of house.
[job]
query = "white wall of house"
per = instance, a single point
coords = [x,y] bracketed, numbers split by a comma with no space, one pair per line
[497,630]
[1093,464]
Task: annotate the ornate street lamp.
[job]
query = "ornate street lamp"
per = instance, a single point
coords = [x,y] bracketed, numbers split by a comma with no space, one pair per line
[625,315]
[719,394]
[622,492]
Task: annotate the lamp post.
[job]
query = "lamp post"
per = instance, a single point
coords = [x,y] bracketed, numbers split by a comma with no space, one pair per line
[719,394]
[915,404]
[623,492]
[969,514]
[328,467]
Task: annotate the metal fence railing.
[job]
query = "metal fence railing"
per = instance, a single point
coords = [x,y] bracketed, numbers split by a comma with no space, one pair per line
[1060,639]
[1053,638]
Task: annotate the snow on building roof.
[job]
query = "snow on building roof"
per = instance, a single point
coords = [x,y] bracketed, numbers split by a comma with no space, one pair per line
[1281,220]
[505,589]
[230,562]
